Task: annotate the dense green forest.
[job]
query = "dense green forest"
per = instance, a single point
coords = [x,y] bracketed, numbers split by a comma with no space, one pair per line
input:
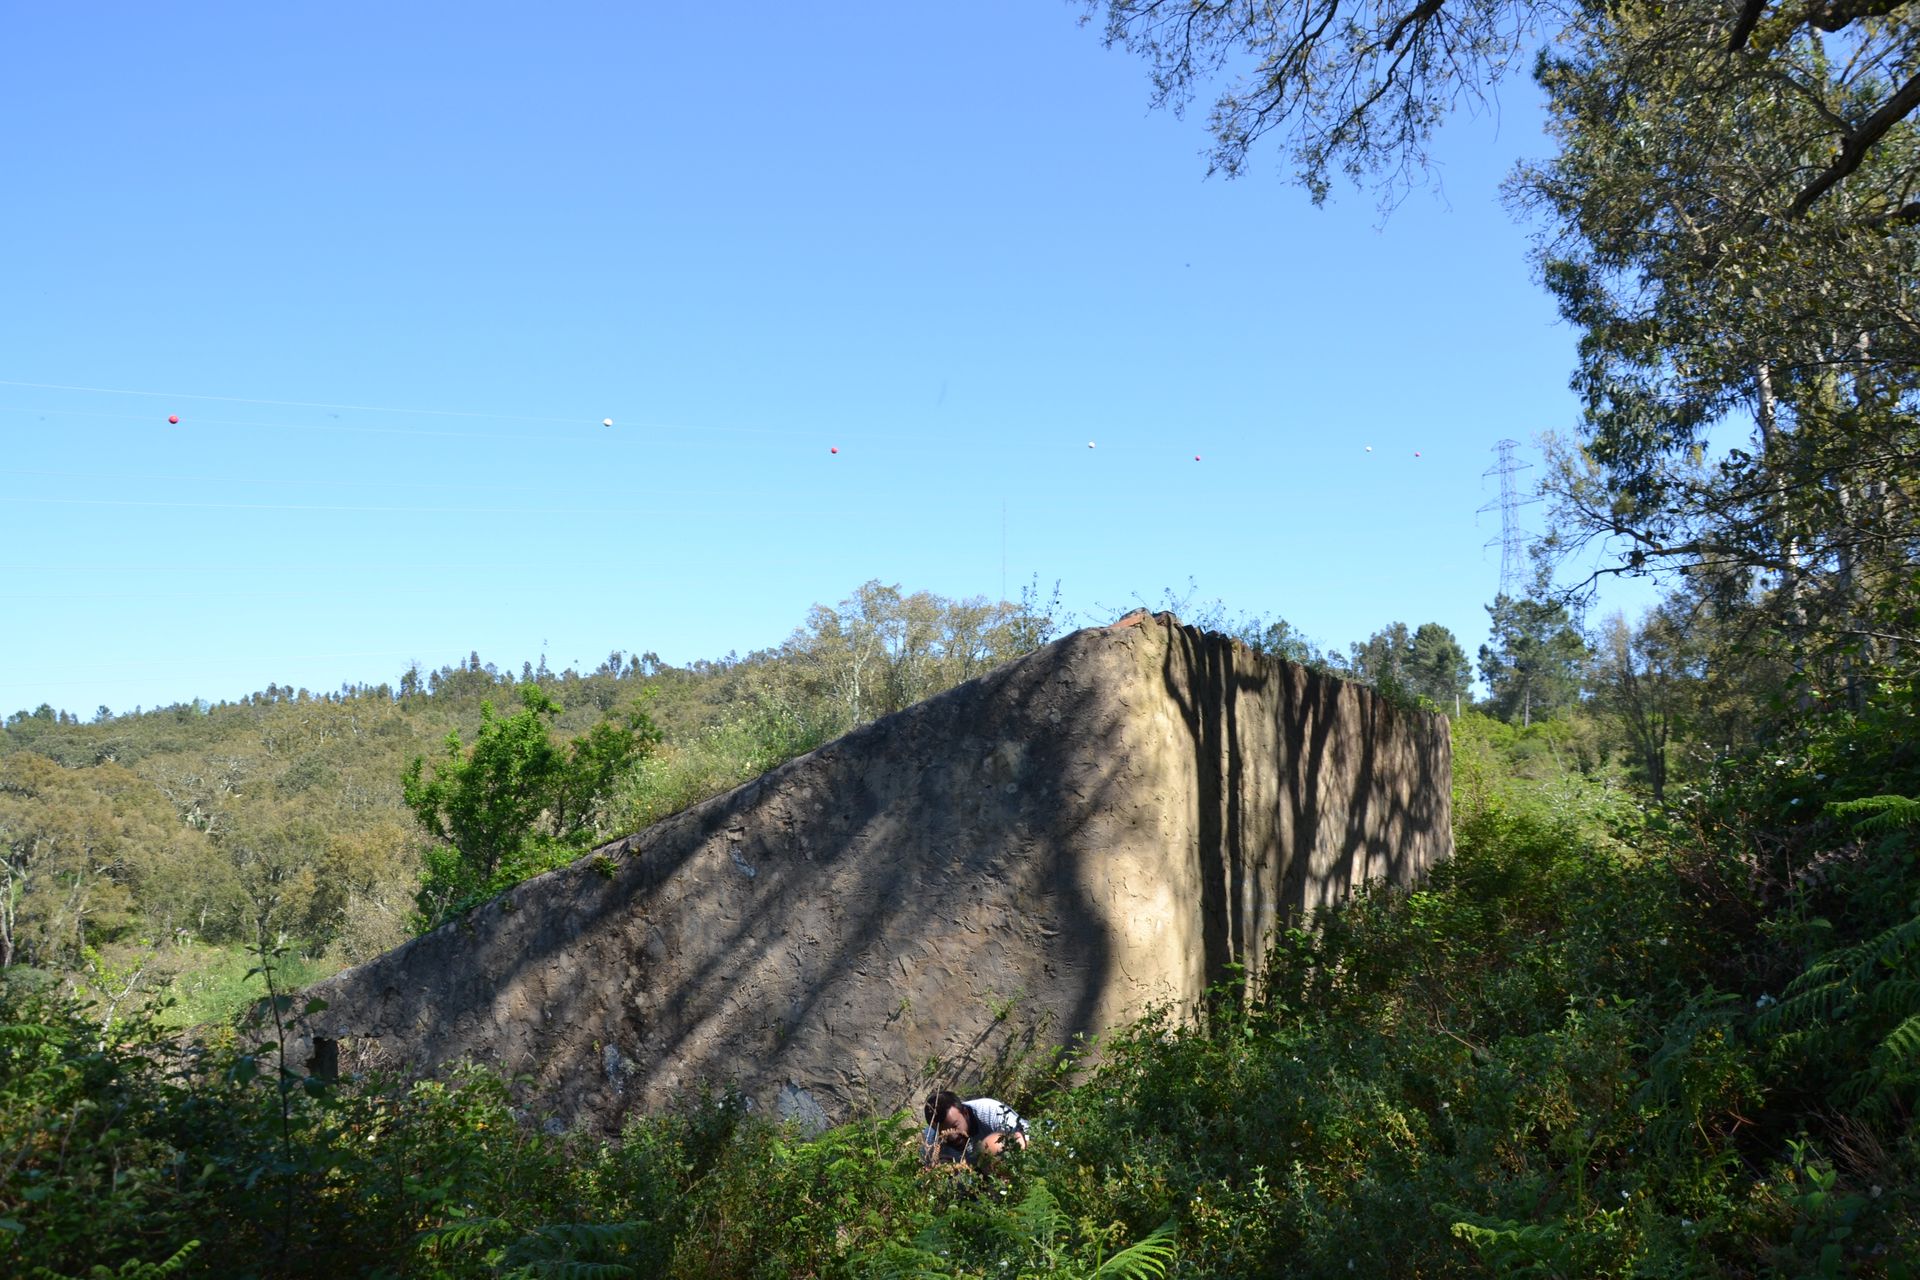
[1659,1016]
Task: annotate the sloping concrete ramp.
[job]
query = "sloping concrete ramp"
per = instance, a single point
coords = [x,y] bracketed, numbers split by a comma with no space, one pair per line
[1104,823]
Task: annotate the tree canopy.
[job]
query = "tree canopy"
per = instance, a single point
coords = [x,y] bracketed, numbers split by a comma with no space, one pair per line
[1729,221]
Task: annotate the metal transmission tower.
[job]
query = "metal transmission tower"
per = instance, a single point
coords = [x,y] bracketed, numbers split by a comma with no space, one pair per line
[1512,539]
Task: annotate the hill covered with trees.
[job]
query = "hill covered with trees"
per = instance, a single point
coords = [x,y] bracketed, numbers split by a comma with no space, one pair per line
[147,851]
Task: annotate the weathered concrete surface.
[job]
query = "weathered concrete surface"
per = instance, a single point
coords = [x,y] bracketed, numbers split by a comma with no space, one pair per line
[1104,823]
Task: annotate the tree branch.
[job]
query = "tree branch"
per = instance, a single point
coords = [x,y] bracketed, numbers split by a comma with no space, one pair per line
[1749,17]
[1855,145]
[1417,17]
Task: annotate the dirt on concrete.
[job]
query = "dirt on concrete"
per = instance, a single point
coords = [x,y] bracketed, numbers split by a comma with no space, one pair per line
[1106,823]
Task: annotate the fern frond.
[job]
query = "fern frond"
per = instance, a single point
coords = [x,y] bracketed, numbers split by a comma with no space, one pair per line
[1038,1217]
[904,1262]
[575,1251]
[1901,1045]
[1825,971]
[1830,983]
[1895,997]
[465,1232]
[1879,814]
[1143,1258]
[132,1269]
[1827,1002]
[1893,946]
[1866,1093]
[568,1269]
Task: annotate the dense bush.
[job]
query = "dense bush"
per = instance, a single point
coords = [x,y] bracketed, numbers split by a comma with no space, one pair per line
[1599,1041]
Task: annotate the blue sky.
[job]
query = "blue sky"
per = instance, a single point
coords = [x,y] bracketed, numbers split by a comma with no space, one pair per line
[392,265]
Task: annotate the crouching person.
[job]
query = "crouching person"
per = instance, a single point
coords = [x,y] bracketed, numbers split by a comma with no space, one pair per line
[968,1134]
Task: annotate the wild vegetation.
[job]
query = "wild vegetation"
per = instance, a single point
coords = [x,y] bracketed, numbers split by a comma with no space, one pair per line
[1608,1038]
[1660,1015]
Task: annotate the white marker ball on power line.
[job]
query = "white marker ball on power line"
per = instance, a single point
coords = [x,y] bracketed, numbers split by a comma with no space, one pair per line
[606,422]
[1089,444]
[1369,448]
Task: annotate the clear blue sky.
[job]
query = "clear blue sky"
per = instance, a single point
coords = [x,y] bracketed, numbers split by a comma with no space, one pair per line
[391,265]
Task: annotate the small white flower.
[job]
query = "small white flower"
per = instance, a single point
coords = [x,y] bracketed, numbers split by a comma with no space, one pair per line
[1763,1002]
[1795,800]
[1623,1195]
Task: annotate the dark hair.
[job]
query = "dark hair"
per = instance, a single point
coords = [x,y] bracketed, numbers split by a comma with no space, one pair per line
[938,1104]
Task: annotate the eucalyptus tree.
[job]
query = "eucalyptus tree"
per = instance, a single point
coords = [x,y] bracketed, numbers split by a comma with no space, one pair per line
[1648,676]
[879,650]
[1359,89]
[1729,221]
[1731,225]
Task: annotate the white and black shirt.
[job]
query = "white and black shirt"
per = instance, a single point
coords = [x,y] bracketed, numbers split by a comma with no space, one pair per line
[985,1117]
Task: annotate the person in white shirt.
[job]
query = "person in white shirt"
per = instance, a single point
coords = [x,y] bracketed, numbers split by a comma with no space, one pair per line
[967,1132]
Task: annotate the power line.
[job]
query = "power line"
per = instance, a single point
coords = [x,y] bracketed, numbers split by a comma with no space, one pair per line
[586,432]
[290,404]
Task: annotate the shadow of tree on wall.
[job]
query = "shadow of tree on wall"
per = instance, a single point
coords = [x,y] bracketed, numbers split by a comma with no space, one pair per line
[1338,750]
[668,959]
[823,931]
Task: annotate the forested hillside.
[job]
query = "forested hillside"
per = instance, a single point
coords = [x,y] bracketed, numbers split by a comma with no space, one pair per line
[147,851]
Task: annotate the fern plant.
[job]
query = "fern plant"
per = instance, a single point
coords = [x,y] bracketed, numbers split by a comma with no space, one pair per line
[1880,815]
[132,1269]
[578,1251]
[1043,1235]
[1867,993]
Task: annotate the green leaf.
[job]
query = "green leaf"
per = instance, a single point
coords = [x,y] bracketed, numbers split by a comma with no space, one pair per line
[1148,1257]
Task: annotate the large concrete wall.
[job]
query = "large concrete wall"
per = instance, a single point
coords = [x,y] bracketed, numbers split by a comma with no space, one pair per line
[1105,823]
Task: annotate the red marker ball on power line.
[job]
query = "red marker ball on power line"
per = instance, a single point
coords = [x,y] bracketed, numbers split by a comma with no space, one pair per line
[173,419]
[1196,457]
[835,449]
